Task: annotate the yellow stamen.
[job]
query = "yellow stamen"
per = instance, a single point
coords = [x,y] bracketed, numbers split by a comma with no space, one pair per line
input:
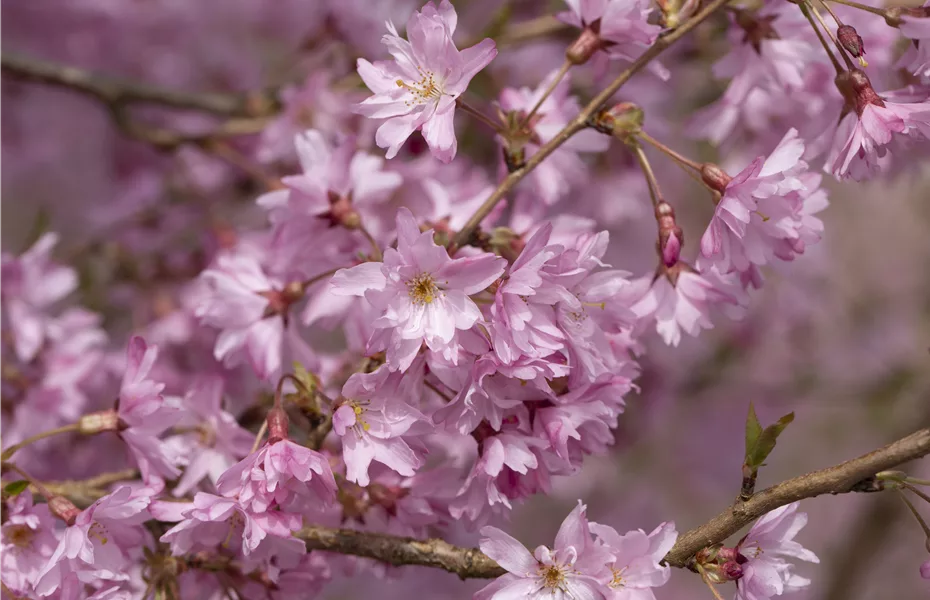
[423,289]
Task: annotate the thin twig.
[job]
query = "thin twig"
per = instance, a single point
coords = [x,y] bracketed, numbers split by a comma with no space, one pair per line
[117,91]
[470,562]
[654,194]
[875,11]
[563,70]
[680,158]
[9,452]
[579,122]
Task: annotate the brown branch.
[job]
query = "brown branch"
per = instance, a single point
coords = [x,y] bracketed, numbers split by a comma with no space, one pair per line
[579,122]
[855,475]
[118,91]
[394,550]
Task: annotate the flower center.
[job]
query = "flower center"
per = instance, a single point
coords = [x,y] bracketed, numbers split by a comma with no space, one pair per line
[359,410]
[553,576]
[18,535]
[422,289]
[98,531]
[427,89]
[617,581]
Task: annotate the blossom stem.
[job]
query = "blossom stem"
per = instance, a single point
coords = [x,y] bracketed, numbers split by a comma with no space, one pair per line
[477,114]
[709,583]
[823,41]
[579,122]
[838,21]
[654,194]
[33,482]
[9,452]
[259,436]
[683,160]
[308,282]
[234,157]
[913,509]
[836,42]
[917,492]
[376,249]
[563,70]
[875,11]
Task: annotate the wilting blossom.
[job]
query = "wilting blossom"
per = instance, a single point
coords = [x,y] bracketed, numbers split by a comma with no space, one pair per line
[421,293]
[573,568]
[766,573]
[100,542]
[32,283]
[283,474]
[144,415]
[418,90]
[635,567]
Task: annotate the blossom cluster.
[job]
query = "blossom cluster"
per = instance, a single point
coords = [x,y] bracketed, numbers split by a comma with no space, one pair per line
[412,337]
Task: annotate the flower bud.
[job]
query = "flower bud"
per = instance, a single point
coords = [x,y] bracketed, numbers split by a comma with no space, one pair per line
[64,509]
[623,120]
[675,12]
[727,554]
[925,570]
[98,422]
[732,570]
[714,177]
[670,234]
[851,41]
[582,49]
[277,425]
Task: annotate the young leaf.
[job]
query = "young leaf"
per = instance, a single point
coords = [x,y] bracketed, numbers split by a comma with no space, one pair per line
[766,441]
[15,488]
[753,431]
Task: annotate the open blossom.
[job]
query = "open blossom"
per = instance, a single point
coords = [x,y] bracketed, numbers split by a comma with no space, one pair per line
[419,89]
[283,474]
[866,133]
[373,422]
[421,294]
[32,283]
[144,415]
[619,27]
[100,542]
[573,568]
[766,573]
[636,564]
[761,214]
[27,540]
[217,440]
[915,25]
[213,521]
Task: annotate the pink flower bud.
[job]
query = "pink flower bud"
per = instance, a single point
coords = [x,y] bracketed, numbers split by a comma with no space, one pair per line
[98,422]
[671,237]
[925,570]
[671,249]
[732,570]
[64,509]
[851,41]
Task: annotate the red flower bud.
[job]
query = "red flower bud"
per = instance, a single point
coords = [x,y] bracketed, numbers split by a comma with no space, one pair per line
[851,41]
[583,48]
[715,178]
[64,509]
[732,570]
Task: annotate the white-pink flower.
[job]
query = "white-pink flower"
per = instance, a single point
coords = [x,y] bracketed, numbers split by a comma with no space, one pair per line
[622,26]
[418,90]
[915,25]
[421,293]
[573,569]
[636,564]
[766,573]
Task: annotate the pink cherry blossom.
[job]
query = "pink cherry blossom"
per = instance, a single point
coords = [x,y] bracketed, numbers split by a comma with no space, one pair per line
[766,573]
[144,415]
[636,566]
[101,543]
[916,27]
[421,294]
[418,91]
[280,474]
[217,441]
[373,423]
[28,540]
[32,283]
[621,26]
[925,570]
[572,569]
[213,521]
[761,211]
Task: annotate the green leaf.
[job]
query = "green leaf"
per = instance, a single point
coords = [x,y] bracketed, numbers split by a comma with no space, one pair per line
[753,431]
[766,441]
[16,488]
